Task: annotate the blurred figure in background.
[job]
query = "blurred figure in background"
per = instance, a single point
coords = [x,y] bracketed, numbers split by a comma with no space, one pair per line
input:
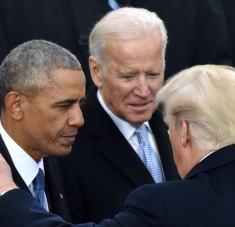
[229,6]
[196,28]
[197,31]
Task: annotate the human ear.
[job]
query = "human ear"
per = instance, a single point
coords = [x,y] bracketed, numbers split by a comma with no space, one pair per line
[13,105]
[95,71]
[184,133]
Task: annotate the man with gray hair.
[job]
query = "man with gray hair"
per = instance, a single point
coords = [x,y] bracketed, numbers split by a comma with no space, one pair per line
[41,85]
[123,143]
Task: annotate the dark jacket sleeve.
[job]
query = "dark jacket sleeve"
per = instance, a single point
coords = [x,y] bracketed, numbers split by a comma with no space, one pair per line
[18,208]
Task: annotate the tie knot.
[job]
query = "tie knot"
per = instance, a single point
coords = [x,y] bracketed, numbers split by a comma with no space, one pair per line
[38,181]
[141,133]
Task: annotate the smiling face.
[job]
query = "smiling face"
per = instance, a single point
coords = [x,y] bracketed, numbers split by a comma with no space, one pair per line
[131,77]
[52,116]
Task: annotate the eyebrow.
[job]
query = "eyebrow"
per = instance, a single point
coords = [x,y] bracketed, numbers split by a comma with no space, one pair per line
[67,102]
[133,71]
[153,72]
[127,72]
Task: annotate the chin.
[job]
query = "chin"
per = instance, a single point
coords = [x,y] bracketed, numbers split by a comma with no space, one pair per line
[62,151]
[136,118]
[66,152]
[139,121]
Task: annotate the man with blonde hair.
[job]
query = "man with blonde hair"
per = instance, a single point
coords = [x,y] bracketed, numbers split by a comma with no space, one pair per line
[199,110]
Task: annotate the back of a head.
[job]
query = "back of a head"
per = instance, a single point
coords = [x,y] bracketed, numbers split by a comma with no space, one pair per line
[28,67]
[204,96]
[125,23]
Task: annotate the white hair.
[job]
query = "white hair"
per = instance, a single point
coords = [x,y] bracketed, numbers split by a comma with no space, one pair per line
[125,23]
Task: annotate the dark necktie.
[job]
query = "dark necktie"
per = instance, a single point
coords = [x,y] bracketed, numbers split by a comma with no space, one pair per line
[39,187]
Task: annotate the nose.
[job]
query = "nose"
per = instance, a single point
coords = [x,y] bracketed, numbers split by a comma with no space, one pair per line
[76,117]
[142,88]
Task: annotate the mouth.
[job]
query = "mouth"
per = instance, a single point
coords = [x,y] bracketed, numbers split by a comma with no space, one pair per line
[67,140]
[141,106]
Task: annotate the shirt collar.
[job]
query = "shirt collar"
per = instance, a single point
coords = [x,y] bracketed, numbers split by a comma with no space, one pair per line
[206,155]
[125,127]
[26,166]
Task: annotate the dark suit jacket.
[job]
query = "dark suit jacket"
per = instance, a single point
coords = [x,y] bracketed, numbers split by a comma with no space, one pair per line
[103,168]
[229,6]
[54,189]
[65,22]
[204,198]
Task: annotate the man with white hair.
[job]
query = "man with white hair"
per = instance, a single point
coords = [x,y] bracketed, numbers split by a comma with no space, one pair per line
[127,62]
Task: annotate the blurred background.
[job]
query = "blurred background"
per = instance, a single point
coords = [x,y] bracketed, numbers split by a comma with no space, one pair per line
[199,31]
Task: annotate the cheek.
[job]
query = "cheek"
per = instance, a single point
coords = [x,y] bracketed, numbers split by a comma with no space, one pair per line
[57,127]
[176,152]
[118,94]
[174,147]
[53,128]
[155,87]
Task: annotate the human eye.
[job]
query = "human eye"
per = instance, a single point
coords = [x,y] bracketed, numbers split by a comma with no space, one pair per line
[127,76]
[82,101]
[65,104]
[153,75]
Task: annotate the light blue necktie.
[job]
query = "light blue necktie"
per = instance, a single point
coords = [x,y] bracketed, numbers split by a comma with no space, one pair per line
[148,156]
[39,187]
[113,4]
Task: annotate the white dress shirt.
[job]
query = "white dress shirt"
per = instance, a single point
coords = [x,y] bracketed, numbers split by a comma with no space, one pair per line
[26,166]
[126,128]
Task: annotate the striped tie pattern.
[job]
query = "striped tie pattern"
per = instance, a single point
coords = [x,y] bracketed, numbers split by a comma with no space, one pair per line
[149,157]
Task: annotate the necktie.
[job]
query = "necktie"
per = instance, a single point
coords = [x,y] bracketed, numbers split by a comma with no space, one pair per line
[148,156]
[113,4]
[39,186]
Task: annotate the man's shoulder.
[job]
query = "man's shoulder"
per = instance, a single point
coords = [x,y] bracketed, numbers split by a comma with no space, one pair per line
[167,191]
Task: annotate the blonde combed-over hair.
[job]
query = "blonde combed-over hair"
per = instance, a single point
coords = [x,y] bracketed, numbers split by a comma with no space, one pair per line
[204,96]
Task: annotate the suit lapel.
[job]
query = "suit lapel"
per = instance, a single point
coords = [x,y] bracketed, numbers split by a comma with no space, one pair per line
[214,160]
[16,176]
[112,145]
[54,188]
[52,180]
[120,154]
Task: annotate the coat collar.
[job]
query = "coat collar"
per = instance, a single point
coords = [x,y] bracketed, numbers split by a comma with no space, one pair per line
[111,144]
[16,176]
[114,147]
[216,159]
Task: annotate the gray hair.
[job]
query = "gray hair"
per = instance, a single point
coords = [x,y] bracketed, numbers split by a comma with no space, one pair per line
[125,23]
[29,66]
[204,96]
